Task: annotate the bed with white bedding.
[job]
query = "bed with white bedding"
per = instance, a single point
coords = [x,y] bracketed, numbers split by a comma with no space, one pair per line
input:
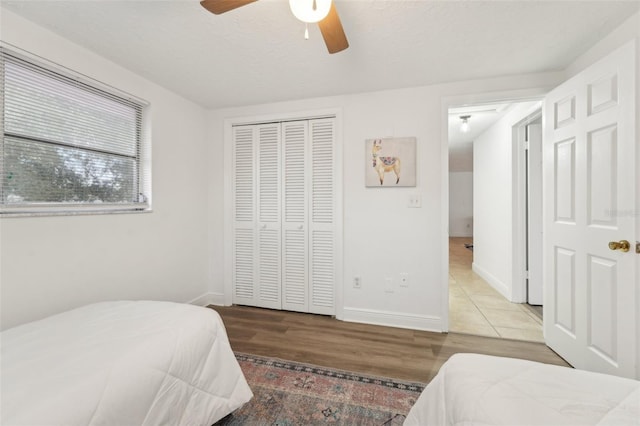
[120,363]
[486,390]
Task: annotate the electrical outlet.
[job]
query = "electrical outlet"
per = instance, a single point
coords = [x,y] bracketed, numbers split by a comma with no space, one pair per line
[415,201]
[404,279]
[388,285]
[357,282]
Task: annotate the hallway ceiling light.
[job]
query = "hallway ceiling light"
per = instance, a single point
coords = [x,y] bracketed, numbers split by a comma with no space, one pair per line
[464,127]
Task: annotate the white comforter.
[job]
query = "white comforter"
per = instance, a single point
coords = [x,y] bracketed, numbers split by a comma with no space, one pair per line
[120,363]
[475,389]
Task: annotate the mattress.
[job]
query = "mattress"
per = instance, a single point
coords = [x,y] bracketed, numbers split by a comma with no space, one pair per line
[120,363]
[485,390]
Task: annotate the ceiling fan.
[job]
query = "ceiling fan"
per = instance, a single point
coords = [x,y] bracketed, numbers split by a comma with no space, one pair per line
[321,11]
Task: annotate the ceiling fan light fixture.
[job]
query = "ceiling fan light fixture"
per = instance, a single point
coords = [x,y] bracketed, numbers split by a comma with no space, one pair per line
[310,11]
[465,127]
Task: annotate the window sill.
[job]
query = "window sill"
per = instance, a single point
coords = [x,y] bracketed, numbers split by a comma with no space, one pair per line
[10,214]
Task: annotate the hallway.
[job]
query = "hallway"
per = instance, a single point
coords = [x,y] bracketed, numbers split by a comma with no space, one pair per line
[476,308]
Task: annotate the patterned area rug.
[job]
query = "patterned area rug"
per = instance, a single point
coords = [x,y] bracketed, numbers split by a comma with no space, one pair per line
[291,393]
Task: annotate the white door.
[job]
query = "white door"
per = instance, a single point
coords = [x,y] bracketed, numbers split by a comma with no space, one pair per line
[244,216]
[284,236]
[534,214]
[308,264]
[256,212]
[269,230]
[590,291]
[295,283]
[322,220]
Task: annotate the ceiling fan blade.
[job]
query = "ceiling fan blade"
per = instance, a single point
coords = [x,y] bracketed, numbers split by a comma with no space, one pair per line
[221,6]
[332,31]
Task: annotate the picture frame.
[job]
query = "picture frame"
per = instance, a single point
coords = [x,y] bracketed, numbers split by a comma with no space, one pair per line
[390,162]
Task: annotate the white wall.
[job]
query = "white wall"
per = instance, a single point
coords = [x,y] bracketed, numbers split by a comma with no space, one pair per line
[382,236]
[50,264]
[461,204]
[493,176]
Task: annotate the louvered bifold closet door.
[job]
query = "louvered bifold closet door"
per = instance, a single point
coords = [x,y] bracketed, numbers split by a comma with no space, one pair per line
[269,226]
[322,217]
[244,214]
[295,284]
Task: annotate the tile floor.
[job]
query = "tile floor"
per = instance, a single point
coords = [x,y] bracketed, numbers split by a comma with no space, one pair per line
[476,308]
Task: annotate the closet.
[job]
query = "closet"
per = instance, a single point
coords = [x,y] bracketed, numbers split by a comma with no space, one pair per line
[284,233]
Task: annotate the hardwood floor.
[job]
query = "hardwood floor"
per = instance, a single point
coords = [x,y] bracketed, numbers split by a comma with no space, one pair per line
[369,349]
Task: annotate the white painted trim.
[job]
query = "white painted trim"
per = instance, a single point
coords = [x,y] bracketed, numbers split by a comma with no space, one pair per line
[228,194]
[518,212]
[444,214]
[228,213]
[291,116]
[208,299]
[491,279]
[393,319]
[462,235]
[338,208]
[450,102]
[519,205]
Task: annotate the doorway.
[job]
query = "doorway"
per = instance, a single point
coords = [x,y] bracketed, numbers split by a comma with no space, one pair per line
[528,273]
[483,155]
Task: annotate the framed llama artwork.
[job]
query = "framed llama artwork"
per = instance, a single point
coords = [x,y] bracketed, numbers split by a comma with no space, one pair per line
[390,162]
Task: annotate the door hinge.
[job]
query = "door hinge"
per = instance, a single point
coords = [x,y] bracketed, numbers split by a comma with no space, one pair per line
[526,145]
[526,275]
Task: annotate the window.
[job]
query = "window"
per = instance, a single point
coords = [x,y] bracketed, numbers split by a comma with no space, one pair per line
[68,145]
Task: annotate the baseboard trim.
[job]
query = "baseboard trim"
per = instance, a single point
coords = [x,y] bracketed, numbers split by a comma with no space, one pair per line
[494,282]
[208,299]
[460,235]
[393,319]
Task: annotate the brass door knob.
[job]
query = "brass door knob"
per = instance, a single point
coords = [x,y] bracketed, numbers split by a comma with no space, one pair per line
[622,245]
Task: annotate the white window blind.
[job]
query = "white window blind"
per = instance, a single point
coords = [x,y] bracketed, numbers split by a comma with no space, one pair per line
[67,145]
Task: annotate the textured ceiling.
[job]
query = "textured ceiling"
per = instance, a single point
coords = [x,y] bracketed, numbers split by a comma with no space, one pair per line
[257,54]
